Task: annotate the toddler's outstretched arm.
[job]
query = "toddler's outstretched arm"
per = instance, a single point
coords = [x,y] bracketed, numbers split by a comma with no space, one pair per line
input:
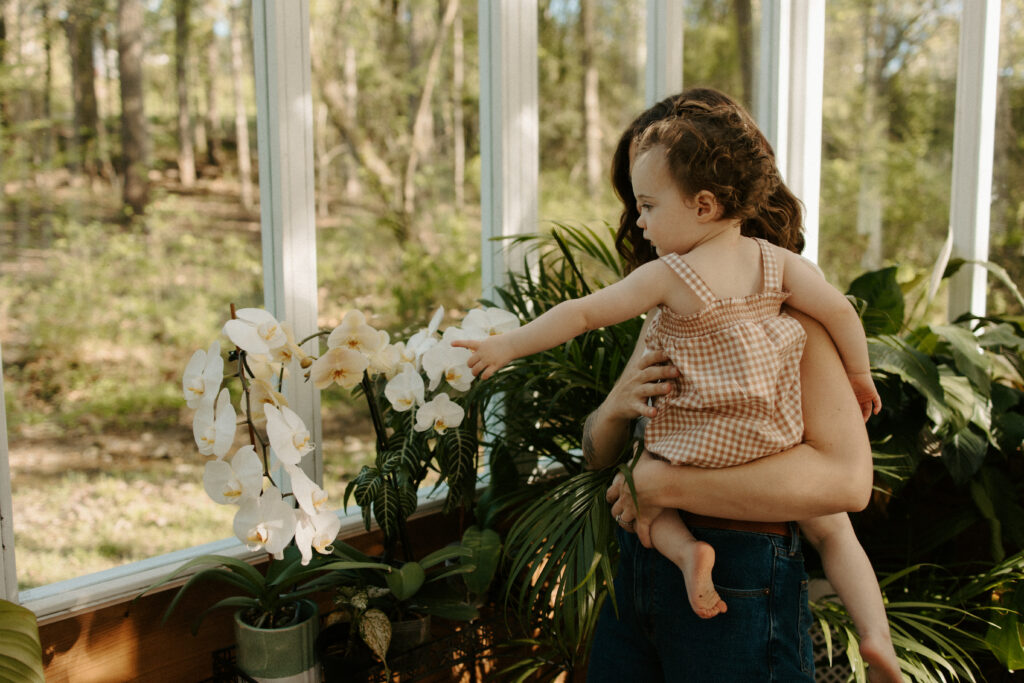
[639,292]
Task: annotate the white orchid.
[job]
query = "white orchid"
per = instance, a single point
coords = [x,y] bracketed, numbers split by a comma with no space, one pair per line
[213,425]
[340,365]
[203,375]
[388,361]
[255,331]
[315,532]
[424,340]
[405,389]
[261,394]
[354,333]
[489,321]
[440,413]
[311,498]
[287,433]
[448,362]
[266,522]
[262,366]
[230,483]
[289,350]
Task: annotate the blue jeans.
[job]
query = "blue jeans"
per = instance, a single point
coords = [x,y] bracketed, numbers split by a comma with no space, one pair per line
[656,636]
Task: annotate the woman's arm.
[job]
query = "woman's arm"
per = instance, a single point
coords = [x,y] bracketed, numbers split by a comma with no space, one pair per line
[607,429]
[831,471]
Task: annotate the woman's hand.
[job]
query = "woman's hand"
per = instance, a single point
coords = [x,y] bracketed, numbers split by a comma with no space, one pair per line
[646,474]
[644,377]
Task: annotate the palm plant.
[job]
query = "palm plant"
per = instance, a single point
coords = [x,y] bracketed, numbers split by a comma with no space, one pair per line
[945,528]
[560,548]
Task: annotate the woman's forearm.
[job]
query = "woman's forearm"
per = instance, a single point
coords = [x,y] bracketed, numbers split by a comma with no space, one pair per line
[829,472]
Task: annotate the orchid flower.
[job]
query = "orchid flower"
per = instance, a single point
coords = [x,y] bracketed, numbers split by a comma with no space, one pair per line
[232,483]
[388,361]
[203,374]
[255,331]
[264,367]
[311,498]
[315,532]
[489,321]
[440,413]
[354,333]
[266,521]
[287,434]
[340,365]
[289,350]
[213,425]
[261,394]
[450,363]
[405,389]
[422,341]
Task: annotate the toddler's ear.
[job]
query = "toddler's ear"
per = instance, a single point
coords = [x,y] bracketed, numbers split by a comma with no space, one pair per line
[708,207]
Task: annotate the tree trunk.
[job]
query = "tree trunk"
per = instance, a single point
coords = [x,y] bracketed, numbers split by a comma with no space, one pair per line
[591,102]
[744,38]
[80,25]
[213,136]
[422,117]
[134,140]
[459,134]
[186,151]
[241,118]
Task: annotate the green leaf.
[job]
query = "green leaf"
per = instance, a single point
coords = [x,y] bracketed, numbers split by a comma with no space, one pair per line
[20,650]
[881,292]
[967,356]
[485,553]
[375,630]
[406,580]
[1005,638]
[893,355]
[963,453]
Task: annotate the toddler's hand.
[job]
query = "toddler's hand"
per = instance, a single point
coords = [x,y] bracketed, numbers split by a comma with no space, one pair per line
[867,396]
[489,355]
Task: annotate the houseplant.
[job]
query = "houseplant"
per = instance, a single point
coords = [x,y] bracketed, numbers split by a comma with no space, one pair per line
[280,509]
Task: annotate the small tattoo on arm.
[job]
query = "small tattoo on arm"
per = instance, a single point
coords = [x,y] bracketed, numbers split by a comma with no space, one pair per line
[588,441]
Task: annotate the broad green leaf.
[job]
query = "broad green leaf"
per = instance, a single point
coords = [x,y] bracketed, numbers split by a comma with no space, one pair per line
[967,355]
[406,580]
[963,453]
[884,298]
[20,649]
[1005,638]
[891,354]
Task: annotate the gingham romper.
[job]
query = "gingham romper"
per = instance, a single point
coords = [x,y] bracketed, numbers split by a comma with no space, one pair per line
[737,397]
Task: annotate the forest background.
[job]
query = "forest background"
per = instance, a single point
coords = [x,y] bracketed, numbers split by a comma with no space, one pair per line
[129,216]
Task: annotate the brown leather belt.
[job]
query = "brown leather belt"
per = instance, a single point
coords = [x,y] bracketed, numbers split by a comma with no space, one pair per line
[779,528]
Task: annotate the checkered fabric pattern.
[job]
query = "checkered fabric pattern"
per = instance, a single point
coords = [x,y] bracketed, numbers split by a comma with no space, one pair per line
[738,394]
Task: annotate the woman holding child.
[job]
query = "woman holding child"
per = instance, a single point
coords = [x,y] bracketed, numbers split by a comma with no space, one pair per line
[753,420]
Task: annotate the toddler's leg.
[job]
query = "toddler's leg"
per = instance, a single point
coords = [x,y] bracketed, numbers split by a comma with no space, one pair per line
[847,567]
[694,558]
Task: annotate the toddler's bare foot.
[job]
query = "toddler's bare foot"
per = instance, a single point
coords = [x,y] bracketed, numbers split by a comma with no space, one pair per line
[699,559]
[879,655]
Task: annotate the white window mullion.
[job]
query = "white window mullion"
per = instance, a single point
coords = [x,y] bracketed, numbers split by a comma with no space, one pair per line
[664,49]
[509,132]
[803,138]
[771,87]
[8,575]
[973,145]
[285,131]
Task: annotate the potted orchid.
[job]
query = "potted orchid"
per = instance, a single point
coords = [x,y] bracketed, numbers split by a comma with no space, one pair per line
[419,395]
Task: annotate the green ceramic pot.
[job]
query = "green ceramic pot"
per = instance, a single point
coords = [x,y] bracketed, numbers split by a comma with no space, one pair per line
[280,655]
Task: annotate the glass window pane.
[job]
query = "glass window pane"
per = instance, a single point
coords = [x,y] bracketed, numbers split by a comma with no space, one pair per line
[126,231]
[887,137]
[591,85]
[396,102]
[1007,229]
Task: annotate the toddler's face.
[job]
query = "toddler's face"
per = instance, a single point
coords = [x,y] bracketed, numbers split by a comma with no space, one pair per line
[667,217]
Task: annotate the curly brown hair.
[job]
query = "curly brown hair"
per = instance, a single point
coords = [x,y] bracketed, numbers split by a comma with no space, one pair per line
[720,149]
